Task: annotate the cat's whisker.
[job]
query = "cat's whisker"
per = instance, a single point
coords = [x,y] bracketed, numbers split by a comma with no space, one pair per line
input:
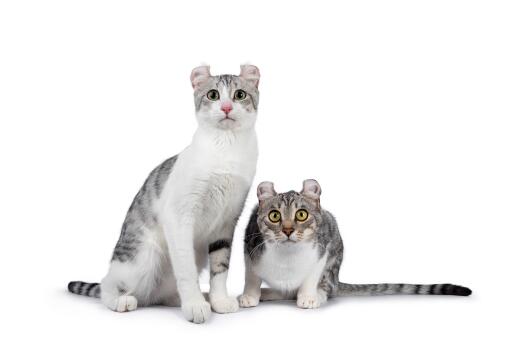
[256,248]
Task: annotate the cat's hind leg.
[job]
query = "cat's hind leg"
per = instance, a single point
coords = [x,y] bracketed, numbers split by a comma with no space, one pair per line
[133,281]
[117,289]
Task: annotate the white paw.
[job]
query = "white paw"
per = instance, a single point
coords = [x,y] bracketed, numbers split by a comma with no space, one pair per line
[308,301]
[224,305]
[125,303]
[196,311]
[248,301]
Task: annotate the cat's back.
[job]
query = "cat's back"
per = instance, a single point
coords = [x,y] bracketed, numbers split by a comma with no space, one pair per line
[151,190]
[253,240]
[329,236]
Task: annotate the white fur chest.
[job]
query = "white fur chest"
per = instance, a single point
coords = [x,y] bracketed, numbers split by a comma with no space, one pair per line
[285,267]
[210,180]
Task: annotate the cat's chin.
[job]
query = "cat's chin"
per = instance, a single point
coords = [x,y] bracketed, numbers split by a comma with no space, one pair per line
[288,242]
[228,124]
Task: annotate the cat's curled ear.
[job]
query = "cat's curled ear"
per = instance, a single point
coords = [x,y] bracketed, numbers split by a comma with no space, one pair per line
[199,76]
[311,189]
[251,74]
[266,190]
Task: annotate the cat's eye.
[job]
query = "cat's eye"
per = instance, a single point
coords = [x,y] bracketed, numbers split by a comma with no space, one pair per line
[240,95]
[301,215]
[274,216]
[213,95]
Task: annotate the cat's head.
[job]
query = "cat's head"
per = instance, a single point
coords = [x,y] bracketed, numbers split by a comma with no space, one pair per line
[289,217]
[226,102]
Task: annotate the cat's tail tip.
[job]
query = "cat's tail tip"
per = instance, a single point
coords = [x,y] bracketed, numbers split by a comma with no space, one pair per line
[459,290]
[85,289]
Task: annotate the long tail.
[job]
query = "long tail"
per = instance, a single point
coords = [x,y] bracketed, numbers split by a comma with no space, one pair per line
[86,289]
[345,289]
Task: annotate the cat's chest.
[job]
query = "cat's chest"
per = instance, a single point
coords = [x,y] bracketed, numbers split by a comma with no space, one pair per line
[224,191]
[206,163]
[286,267]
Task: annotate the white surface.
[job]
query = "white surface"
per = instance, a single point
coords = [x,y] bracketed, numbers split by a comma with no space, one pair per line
[400,109]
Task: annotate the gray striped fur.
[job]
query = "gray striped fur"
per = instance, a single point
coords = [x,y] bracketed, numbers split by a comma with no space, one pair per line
[137,217]
[344,289]
[139,212]
[85,289]
[220,253]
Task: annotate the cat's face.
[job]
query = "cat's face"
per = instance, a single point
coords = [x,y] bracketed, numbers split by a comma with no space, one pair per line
[226,102]
[289,217]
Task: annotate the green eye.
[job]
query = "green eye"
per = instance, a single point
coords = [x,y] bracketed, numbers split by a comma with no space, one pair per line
[274,216]
[240,95]
[301,215]
[213,95]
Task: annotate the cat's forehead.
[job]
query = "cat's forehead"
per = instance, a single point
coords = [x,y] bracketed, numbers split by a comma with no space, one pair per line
[224,81]
[290,199]
[227,81]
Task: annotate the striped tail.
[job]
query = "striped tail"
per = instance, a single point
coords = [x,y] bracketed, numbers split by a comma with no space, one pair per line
[345,289]
[86,289]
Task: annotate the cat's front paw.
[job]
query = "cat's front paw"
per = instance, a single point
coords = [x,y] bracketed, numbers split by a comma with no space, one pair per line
[309,301]
[125,303]
[196,311]
[224,305]
[248,301]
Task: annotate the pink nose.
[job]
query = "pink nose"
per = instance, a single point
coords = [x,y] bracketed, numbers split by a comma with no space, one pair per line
[226,107]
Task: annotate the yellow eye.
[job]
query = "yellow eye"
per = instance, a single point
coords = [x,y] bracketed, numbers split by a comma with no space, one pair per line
[301,215]
[274,216]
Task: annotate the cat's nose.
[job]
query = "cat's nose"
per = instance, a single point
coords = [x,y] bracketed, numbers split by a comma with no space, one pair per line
[288,231]
[226,107]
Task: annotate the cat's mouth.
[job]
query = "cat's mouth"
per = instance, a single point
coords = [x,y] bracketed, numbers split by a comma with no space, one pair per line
[227,123]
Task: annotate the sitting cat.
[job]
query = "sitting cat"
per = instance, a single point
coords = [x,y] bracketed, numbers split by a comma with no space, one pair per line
[294,245]
[187,209]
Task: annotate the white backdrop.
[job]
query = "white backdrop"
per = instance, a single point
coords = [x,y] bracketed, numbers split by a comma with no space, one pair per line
[400,109]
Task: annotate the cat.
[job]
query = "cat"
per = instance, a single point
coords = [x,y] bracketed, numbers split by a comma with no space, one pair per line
[187,209]
[294,245]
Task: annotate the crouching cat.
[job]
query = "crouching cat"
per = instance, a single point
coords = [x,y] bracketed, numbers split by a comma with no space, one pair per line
[294,245]
[188,207]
